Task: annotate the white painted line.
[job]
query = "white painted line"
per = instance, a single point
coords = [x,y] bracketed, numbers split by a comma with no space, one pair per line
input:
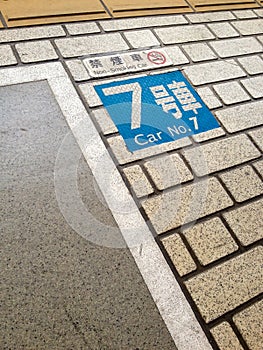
[165,290]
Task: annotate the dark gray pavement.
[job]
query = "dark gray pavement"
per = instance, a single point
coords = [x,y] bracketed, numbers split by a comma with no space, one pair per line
[57,289]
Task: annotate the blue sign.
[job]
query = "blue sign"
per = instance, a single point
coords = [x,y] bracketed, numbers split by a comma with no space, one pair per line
[155,109]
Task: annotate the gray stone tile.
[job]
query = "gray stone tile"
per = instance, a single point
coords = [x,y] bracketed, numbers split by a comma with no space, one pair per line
[10,35]
[260,38]
[223,30]
[254,86]
[78,70]
[87,45]
[124,156]
[249,27]
[212,72]
[82,28]
[242,14]
[236,47]
[247,222]
[257,136]
[179,254]
[210,240]
[36,51]
[208,135]
[252,64]
[259,166]
[239,117]
[143,22]
[225,337]
[184,34]
[141,38]
[199,52]
[7,58]
[105,122]
[224,287]
[231,92]
[249,323]
[168,171]
[176,55]
[138,181]
[259,12]
[172,209]
[210,17]
[220,154]
[209,97]
[243,183]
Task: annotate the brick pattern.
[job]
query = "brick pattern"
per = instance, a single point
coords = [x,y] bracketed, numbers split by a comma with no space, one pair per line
[214,188]
[224,287]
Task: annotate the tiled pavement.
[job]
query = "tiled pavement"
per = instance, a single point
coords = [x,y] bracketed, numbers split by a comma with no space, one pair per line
[217,255]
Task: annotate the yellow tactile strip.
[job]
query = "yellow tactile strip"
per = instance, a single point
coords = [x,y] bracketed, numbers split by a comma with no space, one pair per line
[28,12]
[122,8]
[212,5]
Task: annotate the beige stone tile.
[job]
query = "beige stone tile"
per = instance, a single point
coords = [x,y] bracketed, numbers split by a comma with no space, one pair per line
[221,154]
[183,205]
[209,97]
[254,86]
[213,72]
[243,183]
[257,136]
[141,38]
[228,117]
[225,337]
[40,32]
[138,181]
[224,287]
[249,27]
[252,64]
[208,135]
[7,57]
[36,51]
[231,92]
[249,322]
[82,28]
[236,47]
[105,122]
[168,171]
[179,254]
[87,45]
[78,70]
[247,222]
[259,166]
[210,240]
[210,17]
[124,156]
[184,34]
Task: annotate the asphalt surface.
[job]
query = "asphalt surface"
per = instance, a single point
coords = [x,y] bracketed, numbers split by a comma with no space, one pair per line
[60,290]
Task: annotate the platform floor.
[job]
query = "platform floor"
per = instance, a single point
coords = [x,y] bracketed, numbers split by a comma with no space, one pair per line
[107,249]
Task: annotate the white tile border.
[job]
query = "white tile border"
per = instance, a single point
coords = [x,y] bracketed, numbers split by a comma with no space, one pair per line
[165,290]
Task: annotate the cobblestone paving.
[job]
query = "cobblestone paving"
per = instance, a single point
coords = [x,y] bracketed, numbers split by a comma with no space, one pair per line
[217,254]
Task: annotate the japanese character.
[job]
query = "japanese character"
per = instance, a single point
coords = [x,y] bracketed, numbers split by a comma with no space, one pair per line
[168,105]
[116,60]
[95,63]
[184,96]
[159,91]
[136,57]
[192,107]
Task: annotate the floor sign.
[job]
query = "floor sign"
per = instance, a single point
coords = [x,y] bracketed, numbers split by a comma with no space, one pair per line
[155,109]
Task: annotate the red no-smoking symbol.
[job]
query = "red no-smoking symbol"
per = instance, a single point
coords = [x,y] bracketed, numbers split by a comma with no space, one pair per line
[156,57]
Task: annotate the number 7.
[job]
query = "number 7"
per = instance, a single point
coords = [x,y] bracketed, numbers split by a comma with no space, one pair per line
[194,119]
[136,90]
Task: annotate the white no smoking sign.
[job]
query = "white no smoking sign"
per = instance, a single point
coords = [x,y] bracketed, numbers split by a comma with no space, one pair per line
[133,61]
